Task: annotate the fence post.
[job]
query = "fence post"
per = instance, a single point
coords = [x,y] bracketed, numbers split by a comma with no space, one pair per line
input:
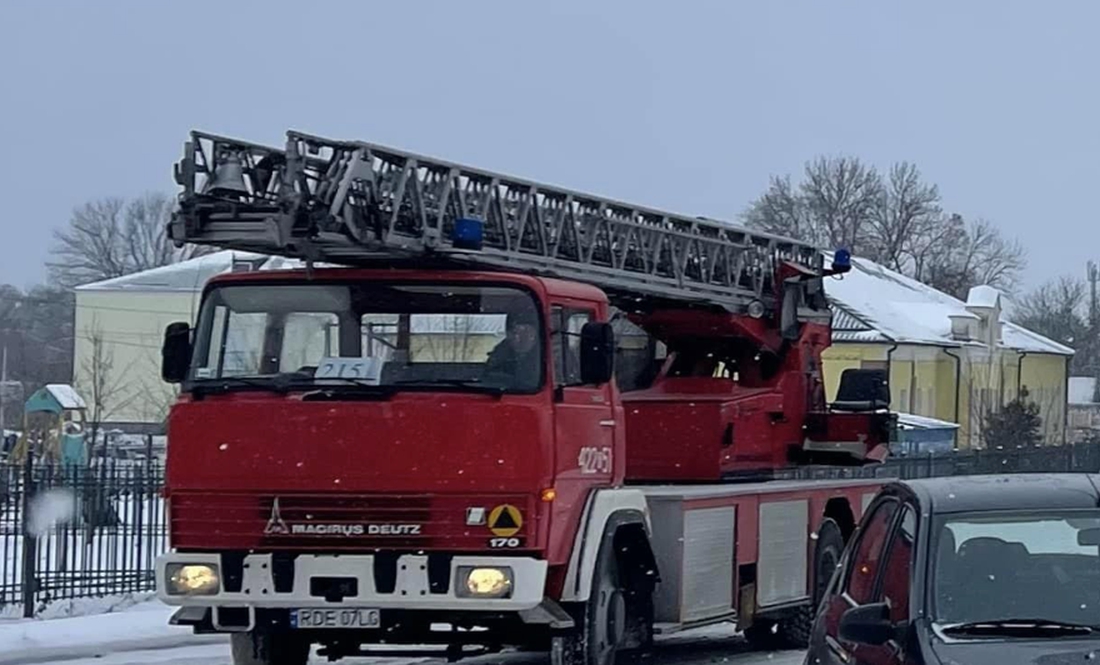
[30,539]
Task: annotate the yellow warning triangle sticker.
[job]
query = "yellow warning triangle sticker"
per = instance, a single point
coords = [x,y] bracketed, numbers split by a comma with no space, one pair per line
[505,520]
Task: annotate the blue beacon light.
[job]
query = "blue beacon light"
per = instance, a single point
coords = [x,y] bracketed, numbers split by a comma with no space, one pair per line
[467,233]
[842,260]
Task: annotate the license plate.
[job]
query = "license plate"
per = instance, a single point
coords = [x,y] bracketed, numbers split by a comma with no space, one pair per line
[335,618]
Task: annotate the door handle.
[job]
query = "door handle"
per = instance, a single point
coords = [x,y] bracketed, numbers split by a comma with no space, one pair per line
[607,423]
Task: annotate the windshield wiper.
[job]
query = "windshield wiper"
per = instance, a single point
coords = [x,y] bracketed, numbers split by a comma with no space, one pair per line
[277,383]
[467,384]
[200,387]
[1029,627]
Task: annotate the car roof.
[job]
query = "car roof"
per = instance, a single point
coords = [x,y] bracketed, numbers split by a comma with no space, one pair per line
[1017,491]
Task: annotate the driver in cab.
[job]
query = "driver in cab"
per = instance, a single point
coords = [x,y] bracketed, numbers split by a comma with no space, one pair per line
[517,361]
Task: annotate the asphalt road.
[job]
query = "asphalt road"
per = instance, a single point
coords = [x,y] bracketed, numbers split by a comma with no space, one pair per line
[710,646]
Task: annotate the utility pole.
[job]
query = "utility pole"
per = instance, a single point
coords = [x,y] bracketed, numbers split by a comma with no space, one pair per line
[3,387]
[1092,347]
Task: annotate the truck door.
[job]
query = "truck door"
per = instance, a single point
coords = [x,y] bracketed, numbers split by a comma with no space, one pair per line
[583,415]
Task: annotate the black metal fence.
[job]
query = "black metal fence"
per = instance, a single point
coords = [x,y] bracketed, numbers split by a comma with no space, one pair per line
[1078,457]
[69,532]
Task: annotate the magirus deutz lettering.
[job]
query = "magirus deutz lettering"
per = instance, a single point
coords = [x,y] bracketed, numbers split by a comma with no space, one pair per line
[355,529]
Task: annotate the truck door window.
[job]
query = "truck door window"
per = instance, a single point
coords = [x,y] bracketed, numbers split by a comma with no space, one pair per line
[896,571]
[566,336]
[866,558]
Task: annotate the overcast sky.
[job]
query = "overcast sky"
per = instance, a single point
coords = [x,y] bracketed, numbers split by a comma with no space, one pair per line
[683,105]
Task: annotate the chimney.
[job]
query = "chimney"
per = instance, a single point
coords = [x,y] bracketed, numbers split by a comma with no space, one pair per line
[962,327]
[985,303]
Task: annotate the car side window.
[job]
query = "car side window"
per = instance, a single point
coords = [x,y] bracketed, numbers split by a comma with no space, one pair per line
[896,570]
[864,565]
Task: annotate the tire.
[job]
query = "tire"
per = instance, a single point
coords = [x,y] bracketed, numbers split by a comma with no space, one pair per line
[793,631]
[613,619]
[268,649]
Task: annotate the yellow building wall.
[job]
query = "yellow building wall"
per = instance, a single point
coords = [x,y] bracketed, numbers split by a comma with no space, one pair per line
[923,382]
[835,360]
[116,354]
[1045,378]
[919,386]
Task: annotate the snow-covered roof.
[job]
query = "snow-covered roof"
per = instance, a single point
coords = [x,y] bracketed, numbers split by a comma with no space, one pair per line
[983,295]
[913,421]
[190,276]
[893,307]
[66,396]
[1081,389]
[187,276]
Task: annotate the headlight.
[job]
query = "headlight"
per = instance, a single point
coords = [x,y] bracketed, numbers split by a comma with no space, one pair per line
[192,579]
[484,582]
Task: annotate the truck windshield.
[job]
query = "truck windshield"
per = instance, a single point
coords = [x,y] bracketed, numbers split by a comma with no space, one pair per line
[999,568]
[365,333]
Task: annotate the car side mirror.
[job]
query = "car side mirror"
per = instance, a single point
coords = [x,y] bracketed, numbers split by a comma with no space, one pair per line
[175,354]
[1088,537]
[597,353]
[867,624]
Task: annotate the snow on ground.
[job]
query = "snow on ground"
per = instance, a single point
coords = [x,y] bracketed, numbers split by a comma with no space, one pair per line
[77,607]
[219,655]
[139,634]
[140,626]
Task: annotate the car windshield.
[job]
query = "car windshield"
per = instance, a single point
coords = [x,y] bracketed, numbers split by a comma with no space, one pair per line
[370,334]
[1036,566]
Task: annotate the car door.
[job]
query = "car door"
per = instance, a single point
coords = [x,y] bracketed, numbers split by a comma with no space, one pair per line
[896,584]
[857,583]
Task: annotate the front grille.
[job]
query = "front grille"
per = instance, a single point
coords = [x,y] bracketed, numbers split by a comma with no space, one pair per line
[324,523]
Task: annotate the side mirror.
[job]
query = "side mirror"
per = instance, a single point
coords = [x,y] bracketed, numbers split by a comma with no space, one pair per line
[867,624]
[597,353]
[175,354]
[1088,537]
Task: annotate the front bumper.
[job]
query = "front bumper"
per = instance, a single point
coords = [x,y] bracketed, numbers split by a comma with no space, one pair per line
[411,591]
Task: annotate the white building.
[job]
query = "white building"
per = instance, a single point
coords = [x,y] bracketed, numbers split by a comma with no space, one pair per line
[119,328]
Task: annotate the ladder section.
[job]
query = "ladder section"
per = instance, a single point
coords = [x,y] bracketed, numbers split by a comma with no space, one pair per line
[357,203]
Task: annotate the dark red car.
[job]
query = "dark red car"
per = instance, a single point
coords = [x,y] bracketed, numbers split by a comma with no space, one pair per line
[971,569]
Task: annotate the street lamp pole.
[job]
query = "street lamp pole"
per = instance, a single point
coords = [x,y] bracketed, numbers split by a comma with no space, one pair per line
[3,386]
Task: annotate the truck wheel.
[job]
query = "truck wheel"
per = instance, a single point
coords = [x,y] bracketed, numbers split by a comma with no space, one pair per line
[614,618]
[793,631]
[268,649]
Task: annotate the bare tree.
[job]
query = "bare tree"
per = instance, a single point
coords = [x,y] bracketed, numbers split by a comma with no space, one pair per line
[971,254]
[783,211]
[112,237]
[156,399]
[36,329]
[844,196]
[1056,310]
[909,223]
[1060,309]
[898,222]
[835,205]
[101,382]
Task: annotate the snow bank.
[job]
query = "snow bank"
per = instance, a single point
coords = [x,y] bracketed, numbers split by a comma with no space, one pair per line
[141,626]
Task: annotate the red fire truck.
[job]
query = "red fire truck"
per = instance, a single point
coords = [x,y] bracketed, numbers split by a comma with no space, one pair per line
[485,412]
